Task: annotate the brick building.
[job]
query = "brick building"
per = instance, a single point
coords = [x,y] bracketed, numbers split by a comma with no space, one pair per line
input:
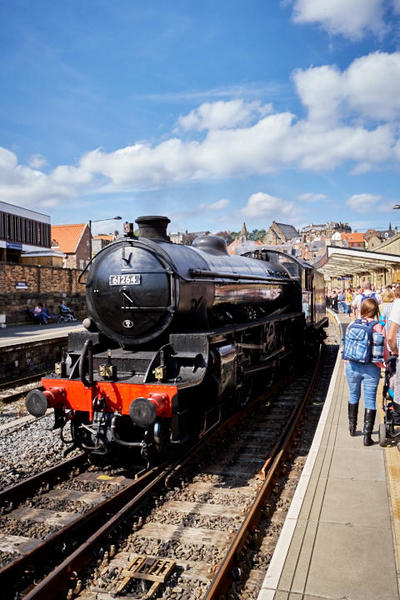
[101,241]
[74,242]
[353,240]
[280,233]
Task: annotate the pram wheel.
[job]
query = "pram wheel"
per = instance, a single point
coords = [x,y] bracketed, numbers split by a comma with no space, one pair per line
[382,435]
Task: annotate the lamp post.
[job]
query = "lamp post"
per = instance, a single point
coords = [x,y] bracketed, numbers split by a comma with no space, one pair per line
[90,230]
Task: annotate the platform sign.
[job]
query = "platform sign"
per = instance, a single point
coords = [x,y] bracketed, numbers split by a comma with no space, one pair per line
[21,285]
[14,245]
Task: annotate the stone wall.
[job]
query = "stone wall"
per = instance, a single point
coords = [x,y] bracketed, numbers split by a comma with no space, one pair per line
[48,285]
[35,358]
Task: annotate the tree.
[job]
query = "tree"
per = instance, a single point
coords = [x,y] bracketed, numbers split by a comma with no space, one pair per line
[257,235]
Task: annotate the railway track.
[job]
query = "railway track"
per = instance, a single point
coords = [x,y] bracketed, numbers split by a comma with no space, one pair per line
[46,515]
[190,526]
[18,388]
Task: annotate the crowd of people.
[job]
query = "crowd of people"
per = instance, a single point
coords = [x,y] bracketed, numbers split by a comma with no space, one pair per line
[349,300]
[377,310]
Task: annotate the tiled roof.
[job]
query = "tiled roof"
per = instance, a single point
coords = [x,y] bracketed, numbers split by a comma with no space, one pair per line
[288,230]
[353,237]
[103,236]
[67,237]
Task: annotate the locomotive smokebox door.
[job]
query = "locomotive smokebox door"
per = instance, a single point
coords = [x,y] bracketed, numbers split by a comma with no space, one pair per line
[130,293]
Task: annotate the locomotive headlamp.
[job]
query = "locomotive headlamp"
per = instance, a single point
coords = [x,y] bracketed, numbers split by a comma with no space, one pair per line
[142,412]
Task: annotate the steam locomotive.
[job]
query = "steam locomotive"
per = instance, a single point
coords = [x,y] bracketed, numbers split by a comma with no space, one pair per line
[177,337]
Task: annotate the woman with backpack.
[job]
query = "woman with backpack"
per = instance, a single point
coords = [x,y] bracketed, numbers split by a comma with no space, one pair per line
[365,350]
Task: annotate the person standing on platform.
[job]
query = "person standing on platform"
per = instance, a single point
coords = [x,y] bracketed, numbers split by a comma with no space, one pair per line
[394,345]
[365,350]
[334,301]
[385,308]
[356,303]
[348,301]
[341,301]
[368,292]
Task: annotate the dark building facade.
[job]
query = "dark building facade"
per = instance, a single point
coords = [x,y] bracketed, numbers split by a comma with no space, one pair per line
[22,230]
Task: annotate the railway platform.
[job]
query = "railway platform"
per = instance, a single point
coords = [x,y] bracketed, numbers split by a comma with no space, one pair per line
[31,350]
[32,332]
[341,537]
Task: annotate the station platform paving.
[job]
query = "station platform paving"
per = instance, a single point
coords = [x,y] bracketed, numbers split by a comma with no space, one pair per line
[33,332]
[341,537]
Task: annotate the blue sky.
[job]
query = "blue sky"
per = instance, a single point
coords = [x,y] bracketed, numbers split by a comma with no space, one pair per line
[212,113]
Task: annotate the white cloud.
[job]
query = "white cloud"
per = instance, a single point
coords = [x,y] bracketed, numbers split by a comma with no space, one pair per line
[363,202]
[350,18]
[219,204]
[28,187]
[264,206]
[37,161]
[311,197]
[369,88]
[353,119]
[223,115]
[70,175]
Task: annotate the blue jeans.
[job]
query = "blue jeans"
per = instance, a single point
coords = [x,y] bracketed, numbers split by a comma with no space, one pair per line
[370,375]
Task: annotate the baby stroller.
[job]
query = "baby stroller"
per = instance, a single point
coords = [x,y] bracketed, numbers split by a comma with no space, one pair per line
[387,433]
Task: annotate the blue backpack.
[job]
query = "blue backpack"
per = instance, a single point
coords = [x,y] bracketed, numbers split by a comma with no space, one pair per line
[361,344]
[364,297]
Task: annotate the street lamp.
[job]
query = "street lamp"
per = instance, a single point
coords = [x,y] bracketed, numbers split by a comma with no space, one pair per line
[90,230]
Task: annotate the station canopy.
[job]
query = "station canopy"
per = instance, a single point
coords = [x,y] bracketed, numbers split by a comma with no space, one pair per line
[341,262]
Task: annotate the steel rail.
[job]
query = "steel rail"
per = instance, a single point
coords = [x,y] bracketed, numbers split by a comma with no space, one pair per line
[57,580]
[22,381]
[231,563]
[84,524]
[50,586]
[15,492]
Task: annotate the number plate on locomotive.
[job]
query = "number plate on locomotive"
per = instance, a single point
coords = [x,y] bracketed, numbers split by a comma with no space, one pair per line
[129,279]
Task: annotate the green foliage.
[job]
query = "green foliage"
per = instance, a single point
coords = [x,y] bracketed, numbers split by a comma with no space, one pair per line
[257,235]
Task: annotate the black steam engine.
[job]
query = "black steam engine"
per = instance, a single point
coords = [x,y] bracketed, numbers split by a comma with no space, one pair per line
[177,337]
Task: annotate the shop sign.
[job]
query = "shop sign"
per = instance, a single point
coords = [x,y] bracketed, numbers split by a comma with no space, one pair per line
[21,285]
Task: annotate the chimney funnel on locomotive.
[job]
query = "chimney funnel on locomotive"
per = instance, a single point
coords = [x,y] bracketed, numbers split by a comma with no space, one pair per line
[153,228]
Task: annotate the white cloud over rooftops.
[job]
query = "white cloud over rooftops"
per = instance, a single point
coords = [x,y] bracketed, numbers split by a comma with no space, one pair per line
[350,18]
[353,119]
[368,89]
[264,206]
[219,204]
[311,197]
[37,161]
[223,115]
[363,203]
[25,186]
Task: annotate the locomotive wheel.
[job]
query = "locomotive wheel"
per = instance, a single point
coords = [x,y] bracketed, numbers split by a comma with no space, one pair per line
[244,393]
[160,436]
